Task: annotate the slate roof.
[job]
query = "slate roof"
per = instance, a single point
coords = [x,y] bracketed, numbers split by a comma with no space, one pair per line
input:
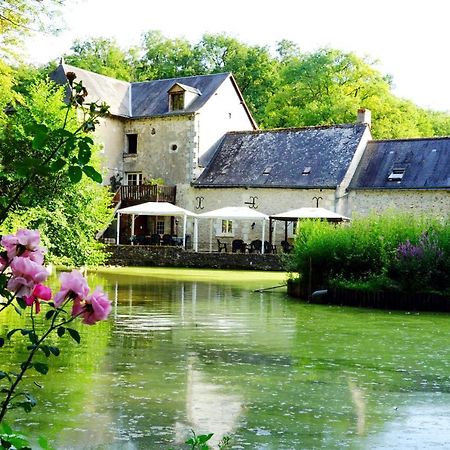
[100,88]
[148,98]
[278,158]
[425,162]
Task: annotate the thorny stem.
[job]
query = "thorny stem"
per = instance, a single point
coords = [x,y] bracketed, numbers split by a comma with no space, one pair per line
[27,364]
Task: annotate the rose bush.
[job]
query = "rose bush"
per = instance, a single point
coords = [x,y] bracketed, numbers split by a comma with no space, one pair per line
[21,285]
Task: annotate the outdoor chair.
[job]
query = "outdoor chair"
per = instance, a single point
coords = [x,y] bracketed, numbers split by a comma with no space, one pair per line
[256,246]
[167,239]
[137,240]
[155,239]
[222,246]
[286,246]
[238,245]
[269,248]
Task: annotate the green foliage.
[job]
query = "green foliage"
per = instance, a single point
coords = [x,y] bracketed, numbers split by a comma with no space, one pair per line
[288,89]
[166,58]
[199,442]
[19,18]
[368,252]
[57,199]
[103,56]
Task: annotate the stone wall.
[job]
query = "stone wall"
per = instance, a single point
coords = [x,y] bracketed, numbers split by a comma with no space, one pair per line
[164,148]
[267,200]
[151,256]
[433,202]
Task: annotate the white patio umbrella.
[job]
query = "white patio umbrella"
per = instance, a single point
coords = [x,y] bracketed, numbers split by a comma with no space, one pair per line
[306,213]
[158,209]
[310,213]
[235,213]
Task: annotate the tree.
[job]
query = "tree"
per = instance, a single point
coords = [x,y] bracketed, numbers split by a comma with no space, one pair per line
[166,58]
[103,56]
[323,87]
[256,72]
[21,17]
[44,150]
[328,87]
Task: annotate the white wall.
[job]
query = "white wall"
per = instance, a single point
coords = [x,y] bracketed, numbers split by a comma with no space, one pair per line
[109,134]
[222,113]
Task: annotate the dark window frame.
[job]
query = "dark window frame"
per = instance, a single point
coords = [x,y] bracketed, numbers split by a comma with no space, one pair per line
[132,139]
[177,101]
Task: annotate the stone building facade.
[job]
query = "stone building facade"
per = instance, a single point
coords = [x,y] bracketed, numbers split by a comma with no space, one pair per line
[196,134]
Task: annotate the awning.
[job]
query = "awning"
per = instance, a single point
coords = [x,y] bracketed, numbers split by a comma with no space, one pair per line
[305,213]
[235,213]
[310,213]
[157,209]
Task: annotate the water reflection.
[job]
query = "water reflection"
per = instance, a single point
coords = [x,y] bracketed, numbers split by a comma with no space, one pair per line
[208,407]
[273,373]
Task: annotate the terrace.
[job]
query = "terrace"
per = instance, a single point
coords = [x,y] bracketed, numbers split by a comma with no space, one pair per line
[133,195]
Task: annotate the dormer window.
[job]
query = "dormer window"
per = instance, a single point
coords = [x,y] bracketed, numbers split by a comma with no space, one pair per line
[306,170]
[181,96]
[267,171]
[177,101]
[397,174]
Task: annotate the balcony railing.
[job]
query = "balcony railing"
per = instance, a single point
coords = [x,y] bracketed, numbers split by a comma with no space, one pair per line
[129,195]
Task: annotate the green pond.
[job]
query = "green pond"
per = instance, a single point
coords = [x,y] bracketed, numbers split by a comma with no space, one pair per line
[204,350]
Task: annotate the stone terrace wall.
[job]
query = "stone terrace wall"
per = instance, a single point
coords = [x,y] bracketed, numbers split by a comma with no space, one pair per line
[151,256]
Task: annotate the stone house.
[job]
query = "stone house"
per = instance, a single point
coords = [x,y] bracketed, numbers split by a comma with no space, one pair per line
[160,130]
[402,174]
[277,170]
[198,136]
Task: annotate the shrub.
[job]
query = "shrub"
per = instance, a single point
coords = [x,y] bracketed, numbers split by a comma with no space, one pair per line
[394,249]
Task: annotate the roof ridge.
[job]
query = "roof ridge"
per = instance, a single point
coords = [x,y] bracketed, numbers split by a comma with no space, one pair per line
[411,139]
[305,128]
[94,73]
[179,78]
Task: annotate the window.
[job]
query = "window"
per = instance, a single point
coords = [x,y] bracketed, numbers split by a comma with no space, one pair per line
[160,227]
[396,174]
[267,171]
[227,226]
[177,100]
[134,179]
[306,170]
[132,144]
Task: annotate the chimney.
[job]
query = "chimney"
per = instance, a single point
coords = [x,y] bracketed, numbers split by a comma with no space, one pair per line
[364,116]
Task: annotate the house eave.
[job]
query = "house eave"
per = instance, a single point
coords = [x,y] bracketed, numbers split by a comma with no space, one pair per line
[253,186]
[166,115]
[398,188]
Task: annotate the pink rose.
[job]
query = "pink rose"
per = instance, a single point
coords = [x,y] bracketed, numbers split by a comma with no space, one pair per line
[39,292]
[25,275]
[3,262]
[24,243]
[96,307]
[73,285]
[21,286]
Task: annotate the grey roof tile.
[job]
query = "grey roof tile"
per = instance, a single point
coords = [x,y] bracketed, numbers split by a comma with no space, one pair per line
[426,164]
[100,88]
[151,98]
[148,98]
[278,158]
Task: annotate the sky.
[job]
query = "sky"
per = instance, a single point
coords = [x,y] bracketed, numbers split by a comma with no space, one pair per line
[409,39]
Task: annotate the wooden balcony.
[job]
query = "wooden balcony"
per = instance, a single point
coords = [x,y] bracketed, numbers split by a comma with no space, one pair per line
[132,195]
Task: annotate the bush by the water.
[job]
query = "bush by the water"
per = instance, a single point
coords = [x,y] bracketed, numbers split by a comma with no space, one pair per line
[402,252]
